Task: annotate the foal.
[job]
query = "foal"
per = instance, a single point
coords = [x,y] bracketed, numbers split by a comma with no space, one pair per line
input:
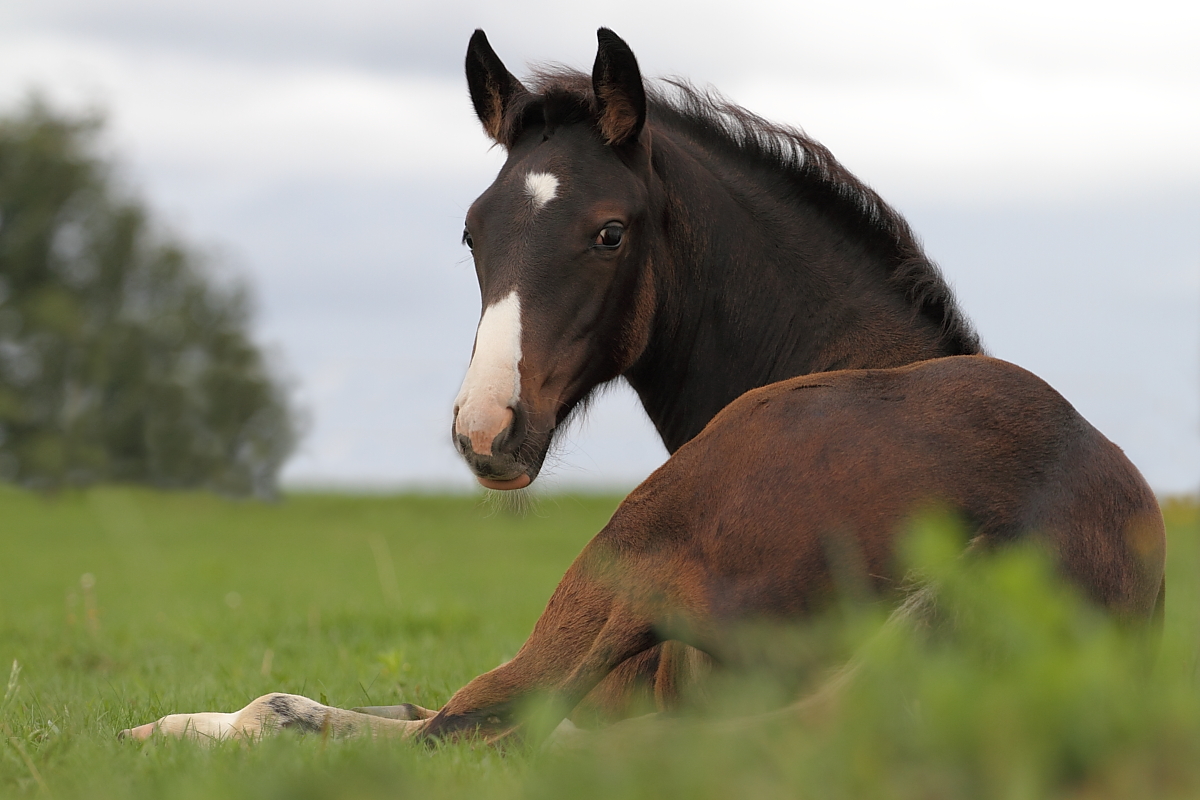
[734,527]
[604,248]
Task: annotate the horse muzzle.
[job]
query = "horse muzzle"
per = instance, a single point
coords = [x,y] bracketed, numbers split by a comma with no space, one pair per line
[491,441]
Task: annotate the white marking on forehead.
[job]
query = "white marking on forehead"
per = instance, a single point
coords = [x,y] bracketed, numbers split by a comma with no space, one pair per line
[493,381]
[542,187]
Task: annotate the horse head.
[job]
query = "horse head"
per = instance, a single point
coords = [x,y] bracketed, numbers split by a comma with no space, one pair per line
[561,243]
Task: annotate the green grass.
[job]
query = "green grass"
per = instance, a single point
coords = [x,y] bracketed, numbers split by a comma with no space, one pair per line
[194,603]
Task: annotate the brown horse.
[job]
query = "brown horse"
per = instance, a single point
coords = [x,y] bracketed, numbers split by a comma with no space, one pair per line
[683,243]
[618,240]
[736,527]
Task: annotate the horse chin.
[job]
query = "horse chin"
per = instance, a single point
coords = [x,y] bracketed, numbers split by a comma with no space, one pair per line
[501,473]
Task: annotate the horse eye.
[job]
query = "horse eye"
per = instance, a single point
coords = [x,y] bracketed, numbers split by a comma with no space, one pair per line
[467,240]
[610,236]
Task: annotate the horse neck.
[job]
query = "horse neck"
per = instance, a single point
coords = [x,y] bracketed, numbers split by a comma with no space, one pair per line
[755,288]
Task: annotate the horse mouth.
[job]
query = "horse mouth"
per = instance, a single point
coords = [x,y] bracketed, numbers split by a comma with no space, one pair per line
[519,482]
[500,472]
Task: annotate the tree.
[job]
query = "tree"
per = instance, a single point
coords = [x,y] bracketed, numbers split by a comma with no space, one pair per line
[121,357]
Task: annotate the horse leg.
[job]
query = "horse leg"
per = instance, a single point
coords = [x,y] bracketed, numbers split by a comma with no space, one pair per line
[404,711]
[275,712]
[630,690]
[585,632]
[654,680]
[681,671]
[919,610]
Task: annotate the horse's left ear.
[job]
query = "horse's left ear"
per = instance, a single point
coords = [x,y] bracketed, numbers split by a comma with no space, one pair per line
[620,94]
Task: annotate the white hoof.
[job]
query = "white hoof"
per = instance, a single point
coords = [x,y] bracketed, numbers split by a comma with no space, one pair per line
[211,725]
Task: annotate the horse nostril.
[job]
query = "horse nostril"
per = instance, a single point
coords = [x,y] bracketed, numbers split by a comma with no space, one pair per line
[508,431]
[463,443]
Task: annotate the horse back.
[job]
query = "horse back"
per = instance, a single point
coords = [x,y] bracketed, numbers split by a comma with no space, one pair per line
[799,489]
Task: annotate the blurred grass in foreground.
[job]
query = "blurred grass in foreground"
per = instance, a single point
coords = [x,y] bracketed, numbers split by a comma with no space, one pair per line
[121,605]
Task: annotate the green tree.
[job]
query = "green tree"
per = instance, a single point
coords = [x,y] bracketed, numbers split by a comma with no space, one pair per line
[121,358]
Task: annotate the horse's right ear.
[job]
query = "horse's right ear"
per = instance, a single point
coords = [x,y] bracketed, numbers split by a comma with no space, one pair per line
[493,87]
[620,93]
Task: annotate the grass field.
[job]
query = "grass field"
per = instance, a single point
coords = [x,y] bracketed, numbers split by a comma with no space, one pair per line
[121,605]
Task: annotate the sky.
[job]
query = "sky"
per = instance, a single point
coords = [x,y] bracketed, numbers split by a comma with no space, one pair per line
[1045,152]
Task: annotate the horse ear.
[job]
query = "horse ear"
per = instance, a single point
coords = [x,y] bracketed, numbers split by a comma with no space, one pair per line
[620,94]
[493,87]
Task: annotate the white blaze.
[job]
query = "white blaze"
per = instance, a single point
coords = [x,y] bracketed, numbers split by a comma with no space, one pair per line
[542,187]
[493,382]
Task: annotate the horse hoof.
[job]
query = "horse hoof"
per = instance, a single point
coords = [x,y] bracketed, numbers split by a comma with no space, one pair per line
[140,733]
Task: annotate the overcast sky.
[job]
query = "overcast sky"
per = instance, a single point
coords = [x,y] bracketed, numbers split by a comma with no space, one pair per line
[1045,152]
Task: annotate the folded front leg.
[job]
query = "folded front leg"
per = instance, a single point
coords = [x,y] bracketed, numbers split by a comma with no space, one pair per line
[585,631]
[271,713]
[404,711]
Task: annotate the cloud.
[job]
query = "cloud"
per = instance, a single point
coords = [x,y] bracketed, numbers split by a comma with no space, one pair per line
[1045,150]
[993,137]
[259,121]
[932,99]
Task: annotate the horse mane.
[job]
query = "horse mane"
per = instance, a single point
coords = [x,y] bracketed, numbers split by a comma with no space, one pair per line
[800,163]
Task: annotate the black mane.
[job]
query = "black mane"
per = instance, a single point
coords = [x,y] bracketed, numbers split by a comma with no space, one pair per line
[797,164]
